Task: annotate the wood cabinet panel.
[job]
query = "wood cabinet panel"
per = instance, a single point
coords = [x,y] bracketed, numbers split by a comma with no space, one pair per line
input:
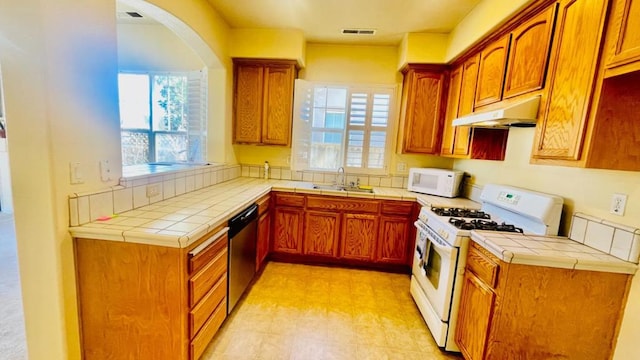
[394,207]
[626,30]
[321,233]
[453,99]
[483,265]
[465,107]
[200,342]
[358,236]
[287,232]
[423,106]
[205,256]
[529,54]
[263,101]
[201,312]
[572,71]
[328,203]
[289,200]
[278,105]
[392,240]
[248,104]
[264,236]
[491,72]
[202,282]
[474,317]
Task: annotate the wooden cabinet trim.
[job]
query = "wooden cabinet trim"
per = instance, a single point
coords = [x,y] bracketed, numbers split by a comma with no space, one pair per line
[327,203]
[208,330]
[202,282]
[625,29]
[203,310]
[483,266]
[284,199]
[203,257]
[491,72]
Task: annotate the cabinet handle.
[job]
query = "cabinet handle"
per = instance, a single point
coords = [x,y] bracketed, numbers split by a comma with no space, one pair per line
[198,249]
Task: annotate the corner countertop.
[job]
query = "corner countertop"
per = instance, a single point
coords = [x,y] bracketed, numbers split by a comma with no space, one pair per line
[549,251]
[179,221]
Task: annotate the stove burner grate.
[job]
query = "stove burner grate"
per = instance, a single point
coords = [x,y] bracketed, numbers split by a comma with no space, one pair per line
[460,212]
[480,224]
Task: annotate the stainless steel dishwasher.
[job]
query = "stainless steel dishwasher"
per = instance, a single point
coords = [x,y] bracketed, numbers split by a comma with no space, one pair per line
[243,229]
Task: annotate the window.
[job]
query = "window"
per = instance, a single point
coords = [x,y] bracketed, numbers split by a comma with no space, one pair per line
[341,125]
[162,117]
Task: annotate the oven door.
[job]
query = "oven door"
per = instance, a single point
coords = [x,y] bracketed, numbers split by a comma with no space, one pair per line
[434,269]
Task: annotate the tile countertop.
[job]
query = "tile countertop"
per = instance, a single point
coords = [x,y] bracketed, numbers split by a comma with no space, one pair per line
[550,251]
[179,221]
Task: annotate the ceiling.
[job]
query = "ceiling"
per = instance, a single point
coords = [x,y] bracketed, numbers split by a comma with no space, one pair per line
[323,20]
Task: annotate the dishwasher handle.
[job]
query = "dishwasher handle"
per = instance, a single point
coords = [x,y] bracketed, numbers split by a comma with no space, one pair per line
[241,220]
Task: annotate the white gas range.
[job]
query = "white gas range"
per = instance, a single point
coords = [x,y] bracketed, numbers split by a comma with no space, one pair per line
[442,242]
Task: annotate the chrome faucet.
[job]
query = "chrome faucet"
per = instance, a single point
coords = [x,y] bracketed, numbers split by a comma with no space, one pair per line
[341,177]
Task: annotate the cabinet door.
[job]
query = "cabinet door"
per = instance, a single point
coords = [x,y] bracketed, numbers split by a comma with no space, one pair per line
[278,103]
[529,54]
[358,236]
[572,75]
[493,62]
[453,98]
[393,240]
[424,91]
[287,231]
[626,31]
[248,104]
[474,317]
[321,233]
[264,230]
[465,107]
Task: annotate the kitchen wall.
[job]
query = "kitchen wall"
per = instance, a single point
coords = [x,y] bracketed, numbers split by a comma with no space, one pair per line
[346,64]
[60,88]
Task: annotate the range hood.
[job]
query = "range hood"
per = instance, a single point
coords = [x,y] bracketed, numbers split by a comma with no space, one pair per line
[522,114]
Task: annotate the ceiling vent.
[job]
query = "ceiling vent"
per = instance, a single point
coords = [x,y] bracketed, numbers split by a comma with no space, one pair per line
[358,31]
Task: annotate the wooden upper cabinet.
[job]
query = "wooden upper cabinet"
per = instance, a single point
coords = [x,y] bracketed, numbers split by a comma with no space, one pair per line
[248,103]
[625,49]
[529,54]
[493,62]
[453,99]
[263,101]
[423,104]
[572,70]
[465,105]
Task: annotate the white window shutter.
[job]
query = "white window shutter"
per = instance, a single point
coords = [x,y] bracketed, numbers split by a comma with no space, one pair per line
[302,117]
[197,116]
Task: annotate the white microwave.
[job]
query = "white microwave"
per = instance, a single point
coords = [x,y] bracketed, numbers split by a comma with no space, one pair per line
[432,181]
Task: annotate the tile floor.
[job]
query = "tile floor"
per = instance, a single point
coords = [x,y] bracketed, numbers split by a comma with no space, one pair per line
[312,312]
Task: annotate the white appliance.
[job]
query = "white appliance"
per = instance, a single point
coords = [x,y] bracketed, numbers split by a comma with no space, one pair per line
[433,181]
[442,242]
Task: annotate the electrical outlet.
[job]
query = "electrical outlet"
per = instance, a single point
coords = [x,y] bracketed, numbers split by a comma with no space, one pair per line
[401,167]
[153,190]
[618,203]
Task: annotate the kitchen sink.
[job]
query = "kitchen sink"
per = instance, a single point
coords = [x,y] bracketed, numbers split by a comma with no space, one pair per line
[342,188]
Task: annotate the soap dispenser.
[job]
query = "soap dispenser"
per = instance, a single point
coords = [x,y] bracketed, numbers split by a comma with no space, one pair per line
[266,170]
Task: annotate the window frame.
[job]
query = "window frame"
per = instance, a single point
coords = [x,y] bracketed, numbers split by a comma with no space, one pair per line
[152,133]
[368,128]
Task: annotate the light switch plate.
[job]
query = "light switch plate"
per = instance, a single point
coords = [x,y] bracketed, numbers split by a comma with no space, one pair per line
[75,173]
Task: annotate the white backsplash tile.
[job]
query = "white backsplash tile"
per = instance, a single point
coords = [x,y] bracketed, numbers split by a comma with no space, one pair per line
[385,181]
[578,229]
[122,200]
[307,176]
[220,176]
[599,236]
[181,186]
[374,180]
[100,205]
[84,214]
[73,212]
[190,183]
[169,189]
[140,196]
[622,243]
[160,196]
[397,182]
[318,177]
[286,174]
[198,181]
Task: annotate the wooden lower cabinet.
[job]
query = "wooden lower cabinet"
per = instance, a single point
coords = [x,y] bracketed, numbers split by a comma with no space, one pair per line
[340,230]
[264,230]
[139,301]
[287,230]
[321,233]
[393,239]
[358,240]
[515,311]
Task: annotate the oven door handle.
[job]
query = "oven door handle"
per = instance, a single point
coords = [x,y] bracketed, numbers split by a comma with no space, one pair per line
[447,249]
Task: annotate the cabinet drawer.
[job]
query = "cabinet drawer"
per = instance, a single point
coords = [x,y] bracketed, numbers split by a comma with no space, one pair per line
[199,257]
[200,342]
[201,283]
[263,204]
[482,265]
[397,207]
[352,205]
[290,200]
[201,312]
